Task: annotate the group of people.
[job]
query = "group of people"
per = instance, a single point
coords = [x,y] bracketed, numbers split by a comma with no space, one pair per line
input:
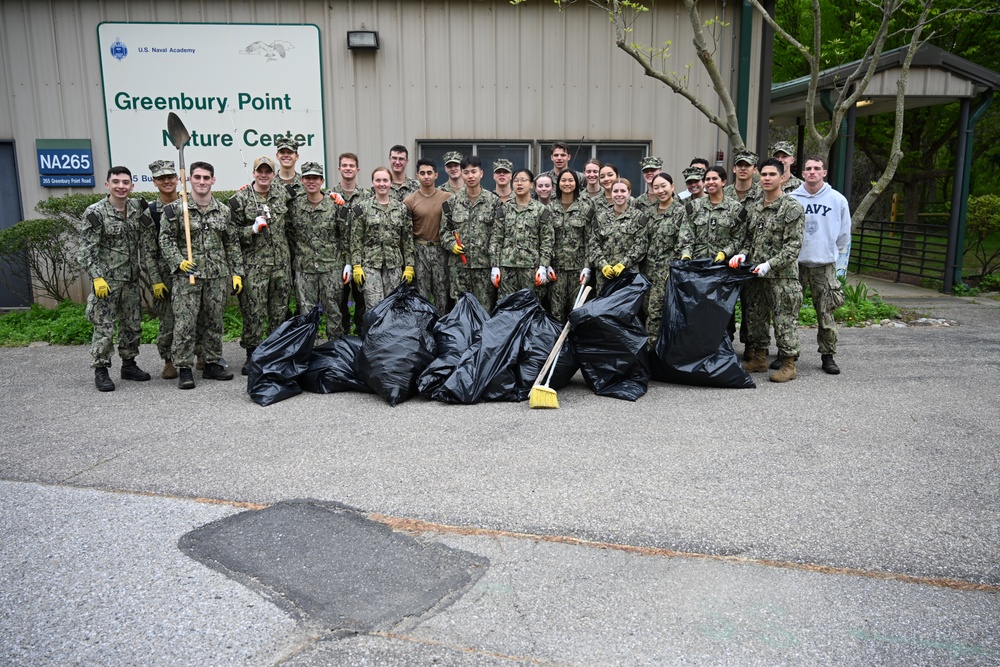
[552,233]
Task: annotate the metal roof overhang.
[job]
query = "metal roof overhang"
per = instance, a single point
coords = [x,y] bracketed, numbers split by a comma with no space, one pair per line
[936,77]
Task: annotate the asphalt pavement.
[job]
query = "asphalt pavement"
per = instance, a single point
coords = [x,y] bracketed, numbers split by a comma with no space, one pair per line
[849,520]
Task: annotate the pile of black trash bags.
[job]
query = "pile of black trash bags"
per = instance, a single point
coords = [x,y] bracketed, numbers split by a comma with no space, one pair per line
[469,355]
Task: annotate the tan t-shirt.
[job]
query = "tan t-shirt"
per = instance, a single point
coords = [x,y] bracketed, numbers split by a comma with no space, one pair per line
[426,213]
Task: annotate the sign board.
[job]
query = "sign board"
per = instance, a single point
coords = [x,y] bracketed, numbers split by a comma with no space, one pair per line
[65,163]
[236,87]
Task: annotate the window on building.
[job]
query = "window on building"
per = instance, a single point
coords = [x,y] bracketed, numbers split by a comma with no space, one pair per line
[518,152]
[624,155]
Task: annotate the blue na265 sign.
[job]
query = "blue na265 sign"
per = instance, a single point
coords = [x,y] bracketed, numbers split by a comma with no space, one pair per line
[65,163]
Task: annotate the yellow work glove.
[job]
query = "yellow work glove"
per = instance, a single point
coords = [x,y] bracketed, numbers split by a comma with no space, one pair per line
[101,289]
[685,258]
[160,291]
[187,266]
[618,268]
[359,275]
[408,275]
[237,284]
[458,249]
[608,271]
[721,257]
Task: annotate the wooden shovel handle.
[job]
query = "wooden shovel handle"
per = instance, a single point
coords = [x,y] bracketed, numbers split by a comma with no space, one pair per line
[187,220]
[562,339]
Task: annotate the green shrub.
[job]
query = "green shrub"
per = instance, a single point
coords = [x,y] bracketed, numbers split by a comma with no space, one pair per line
[990,282]
[982,231]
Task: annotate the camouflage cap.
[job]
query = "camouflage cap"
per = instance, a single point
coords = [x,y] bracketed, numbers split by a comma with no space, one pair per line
[162,168]
[650,162]
[503,164]
[286,143]
[694,174]
[452,157]
[785,147]
[263,161]
[312,169]
[746,156]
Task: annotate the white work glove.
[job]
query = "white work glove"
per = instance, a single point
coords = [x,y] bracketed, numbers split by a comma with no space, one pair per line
[259,224]
[551,273]
[346,275]
[540,276]
[761,269]
[495,276]
[736,260]
[584,276]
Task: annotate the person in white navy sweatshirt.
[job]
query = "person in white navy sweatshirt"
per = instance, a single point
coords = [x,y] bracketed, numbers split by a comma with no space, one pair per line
[827,232]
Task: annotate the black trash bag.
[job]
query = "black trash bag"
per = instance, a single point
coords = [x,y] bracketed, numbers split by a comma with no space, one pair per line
[694,346]
[331,368]
[279,361]
[502,364]
[609,340]
[453,334]
[398,344]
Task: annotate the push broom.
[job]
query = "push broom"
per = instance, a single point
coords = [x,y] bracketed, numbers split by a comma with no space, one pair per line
[543,396]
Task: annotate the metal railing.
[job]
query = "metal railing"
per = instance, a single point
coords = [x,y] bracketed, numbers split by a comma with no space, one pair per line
[901,249]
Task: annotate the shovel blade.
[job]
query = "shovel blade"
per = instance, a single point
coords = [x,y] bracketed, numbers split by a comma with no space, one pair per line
[179,135]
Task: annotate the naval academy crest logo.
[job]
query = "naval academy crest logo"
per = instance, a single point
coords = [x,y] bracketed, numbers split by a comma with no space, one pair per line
[119,50]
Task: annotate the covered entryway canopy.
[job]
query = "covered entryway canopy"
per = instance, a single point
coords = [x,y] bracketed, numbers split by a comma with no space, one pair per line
[936,77]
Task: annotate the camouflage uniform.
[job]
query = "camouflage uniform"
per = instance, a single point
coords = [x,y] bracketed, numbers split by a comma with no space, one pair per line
[110,243]
[164,307]
[617,239]
[791,184]
[664,230]
[199,308]
[400,191]
[572,229]
[350,292]
[519,243]
[474,222]
[756,193]
[447,188]
[318,257]
[644,205]
[267,284]
[710,228]
[295,188]
[382,244]
[774,236]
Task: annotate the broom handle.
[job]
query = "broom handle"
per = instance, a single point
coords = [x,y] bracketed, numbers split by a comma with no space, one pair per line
[550,361]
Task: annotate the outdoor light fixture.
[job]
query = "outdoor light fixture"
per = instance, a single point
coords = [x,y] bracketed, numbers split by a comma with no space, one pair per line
[365,40]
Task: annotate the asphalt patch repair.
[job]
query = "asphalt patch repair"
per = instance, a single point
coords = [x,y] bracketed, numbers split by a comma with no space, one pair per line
[331,567]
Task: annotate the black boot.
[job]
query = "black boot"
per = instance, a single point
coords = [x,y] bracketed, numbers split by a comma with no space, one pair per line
[185,379]
[216,372]
[776,364]
[829,365]
[102,381]
[130,371]
[246,366]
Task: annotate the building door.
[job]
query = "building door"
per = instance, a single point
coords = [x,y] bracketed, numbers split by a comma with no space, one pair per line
[15,290]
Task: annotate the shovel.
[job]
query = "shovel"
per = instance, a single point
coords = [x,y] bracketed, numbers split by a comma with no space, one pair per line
[178,137]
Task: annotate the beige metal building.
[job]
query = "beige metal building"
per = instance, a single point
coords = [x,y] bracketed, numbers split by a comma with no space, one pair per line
[478,75]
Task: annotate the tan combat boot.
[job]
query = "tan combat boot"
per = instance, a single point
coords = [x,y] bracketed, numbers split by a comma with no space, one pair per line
[757,362]
[786,372]
[169,372]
